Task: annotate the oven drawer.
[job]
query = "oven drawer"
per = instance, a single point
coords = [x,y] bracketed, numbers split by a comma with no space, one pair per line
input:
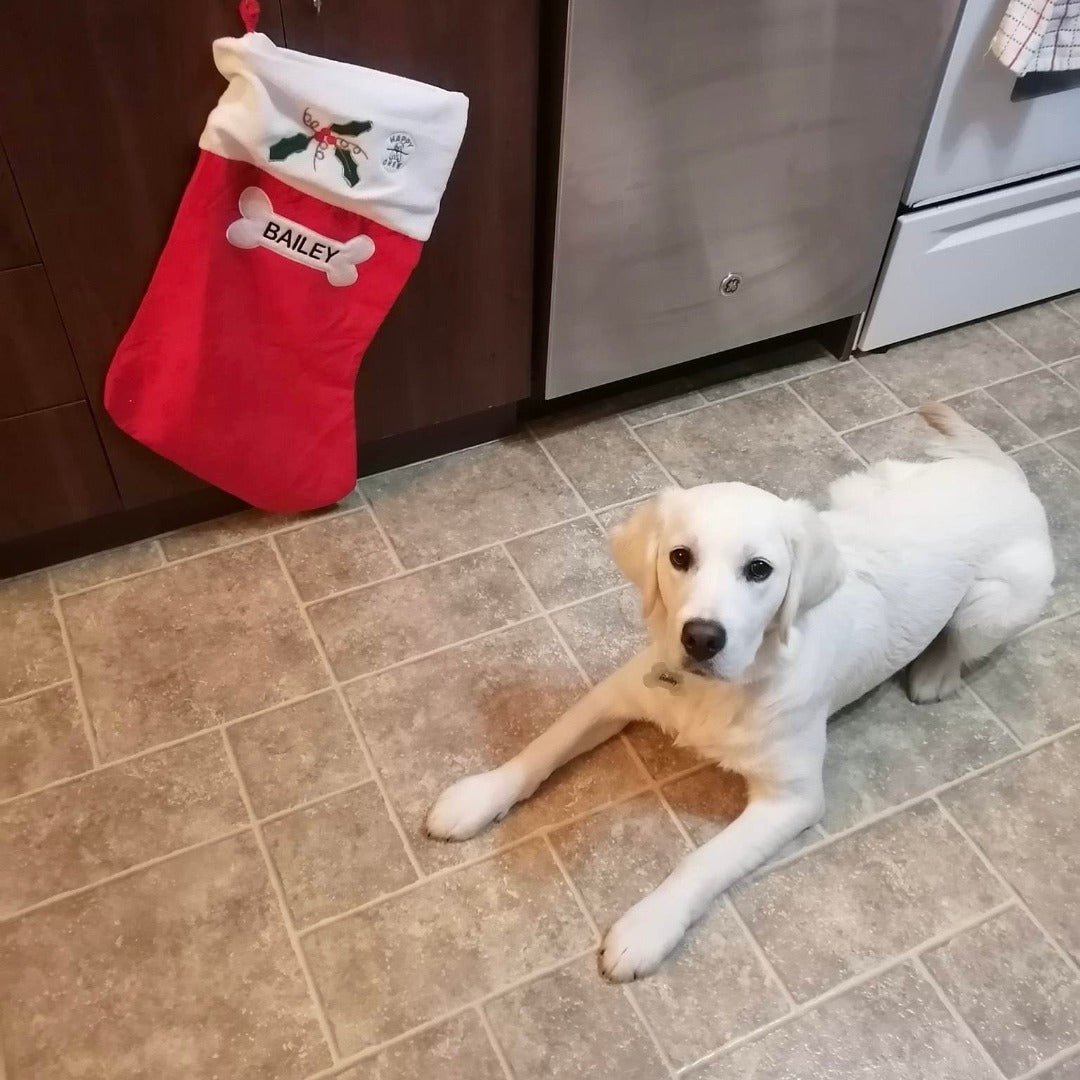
[972,258]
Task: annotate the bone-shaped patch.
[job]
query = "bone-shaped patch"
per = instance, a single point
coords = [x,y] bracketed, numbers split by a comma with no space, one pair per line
[259,226]
[660,675]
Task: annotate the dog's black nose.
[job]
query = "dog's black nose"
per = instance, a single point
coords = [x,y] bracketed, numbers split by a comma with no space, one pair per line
[702,638]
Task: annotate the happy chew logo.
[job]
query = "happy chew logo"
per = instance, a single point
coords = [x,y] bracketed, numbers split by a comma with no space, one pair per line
[324,135]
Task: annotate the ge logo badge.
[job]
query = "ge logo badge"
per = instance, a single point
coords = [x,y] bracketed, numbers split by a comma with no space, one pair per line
[730,285]
[398,148]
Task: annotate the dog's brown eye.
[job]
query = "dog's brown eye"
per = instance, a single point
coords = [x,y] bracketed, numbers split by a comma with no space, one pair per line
[757,570]
[682,558]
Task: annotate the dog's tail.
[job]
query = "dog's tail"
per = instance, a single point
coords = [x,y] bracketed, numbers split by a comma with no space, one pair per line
[959,439]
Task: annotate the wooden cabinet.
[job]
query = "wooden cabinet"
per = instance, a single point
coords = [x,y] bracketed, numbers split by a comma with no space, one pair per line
[100,115]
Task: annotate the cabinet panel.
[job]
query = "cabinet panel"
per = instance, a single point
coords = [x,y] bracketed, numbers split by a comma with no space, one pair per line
[54,471]
[16,241]
[459,338]
[36,368]
[101,112]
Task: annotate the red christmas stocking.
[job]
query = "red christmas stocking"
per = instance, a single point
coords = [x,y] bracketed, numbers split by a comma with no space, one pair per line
[316,185]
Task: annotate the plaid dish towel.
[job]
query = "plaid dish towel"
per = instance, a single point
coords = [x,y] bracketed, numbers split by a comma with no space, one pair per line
[1039,35]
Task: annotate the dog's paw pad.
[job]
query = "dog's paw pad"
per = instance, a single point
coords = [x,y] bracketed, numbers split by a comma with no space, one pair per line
[464,808]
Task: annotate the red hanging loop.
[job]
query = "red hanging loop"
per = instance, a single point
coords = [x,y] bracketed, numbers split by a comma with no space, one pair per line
[249,13]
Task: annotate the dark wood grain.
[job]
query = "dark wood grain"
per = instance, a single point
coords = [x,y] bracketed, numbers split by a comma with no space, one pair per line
[101,112]
[458,339]
[54,471]
[16,241]
[36,367]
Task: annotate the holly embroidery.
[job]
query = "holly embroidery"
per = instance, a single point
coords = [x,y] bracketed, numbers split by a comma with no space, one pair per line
[325,136]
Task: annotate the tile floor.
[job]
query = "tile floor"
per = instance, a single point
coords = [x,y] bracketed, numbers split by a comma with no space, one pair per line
[217,748]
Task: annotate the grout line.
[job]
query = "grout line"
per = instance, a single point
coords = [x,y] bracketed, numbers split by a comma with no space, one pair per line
[920,966]
[277,815]
[16,698]
[168,745]
[57,898]
[848,448]
[1051,1062]
[759,951]
[1054,303]
[851,983]
[283,905]
[648,450]
[1023,348]
[993,715]
[880,382]
[395,558]
[1002,880]
[76,682]
[457,1010]
[496,1046]
[542,446]
[391,810]
[1060,456]
[664,1058]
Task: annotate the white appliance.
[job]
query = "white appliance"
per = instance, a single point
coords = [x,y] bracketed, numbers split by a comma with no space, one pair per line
[991,215]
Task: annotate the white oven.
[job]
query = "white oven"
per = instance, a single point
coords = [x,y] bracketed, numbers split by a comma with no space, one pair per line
[991,215]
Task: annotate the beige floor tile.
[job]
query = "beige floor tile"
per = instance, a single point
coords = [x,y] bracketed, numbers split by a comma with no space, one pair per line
[390,967]
[296,753]
[567,562]
[891,1028]
[1041,400]
[1043,330]
[338,553]
[94,569]
[1058,486]
[1070,304]
[644,414]
[603,461]
[839,911]
[236,528]
[618,856]
[1070,371]
[711,989]
[768,438]
[603,633]
[469,709]
[31,648]
[1067,1070]
[42,739]
[393,620]
[609,519]
[981,410]
[903,438]
[185,647]
[572,1024]
[74,834]
[1024,816]
[339,853]
[657,751]
[459,1049]
[182,970]
[463,501]
[1031,683]
[948,363]
[1068,446]
[1016,993]
[884,750]
[765,368]
[847,396]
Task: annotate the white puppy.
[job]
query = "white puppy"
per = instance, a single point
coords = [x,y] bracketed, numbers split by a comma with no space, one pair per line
[766,617]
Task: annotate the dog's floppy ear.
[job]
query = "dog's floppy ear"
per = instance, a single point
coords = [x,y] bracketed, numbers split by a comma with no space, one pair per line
[634,545]
[816,568]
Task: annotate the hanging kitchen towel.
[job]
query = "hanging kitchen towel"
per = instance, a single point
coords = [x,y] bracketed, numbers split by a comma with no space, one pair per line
[316,186]
[1039,35]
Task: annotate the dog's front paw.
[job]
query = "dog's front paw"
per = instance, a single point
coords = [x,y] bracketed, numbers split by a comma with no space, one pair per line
[641,939]
[465,807]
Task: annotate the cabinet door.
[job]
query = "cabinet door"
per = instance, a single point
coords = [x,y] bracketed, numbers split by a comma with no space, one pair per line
[101,112]
[16,242]
[459,337]
[54,471]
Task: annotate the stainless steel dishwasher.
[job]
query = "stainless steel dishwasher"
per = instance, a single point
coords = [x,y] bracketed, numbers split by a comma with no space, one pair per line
[728,171]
